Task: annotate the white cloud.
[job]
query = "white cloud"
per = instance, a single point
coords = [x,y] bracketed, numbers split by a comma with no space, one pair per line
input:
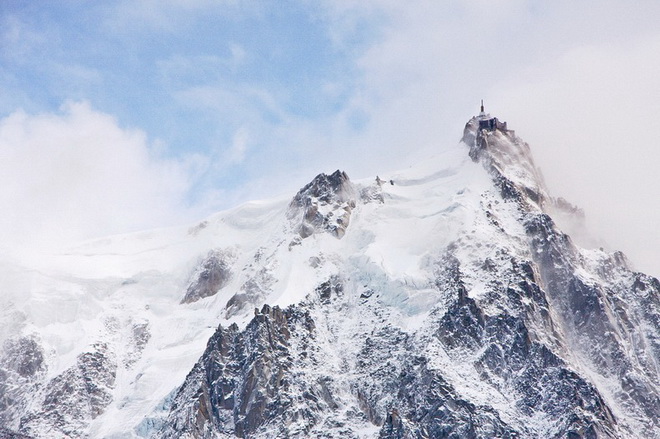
[76,175]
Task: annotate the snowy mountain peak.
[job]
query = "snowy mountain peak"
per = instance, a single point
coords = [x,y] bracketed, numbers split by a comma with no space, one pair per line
[507,158]
[445,302]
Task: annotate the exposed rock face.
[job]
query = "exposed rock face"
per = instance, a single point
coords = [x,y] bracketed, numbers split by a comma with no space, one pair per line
[505,355]
[22,368]
[373,193]
[210,276]
[243,381]
[430,407]
[274,379]
[325,204]
[138,338]
[73,398]
[600,317]
[23,356]
[8,434]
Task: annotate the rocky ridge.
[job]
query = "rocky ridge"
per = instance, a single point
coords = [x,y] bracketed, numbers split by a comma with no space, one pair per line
[325,204]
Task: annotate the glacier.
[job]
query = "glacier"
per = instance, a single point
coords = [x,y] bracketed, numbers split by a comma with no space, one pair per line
[443,300]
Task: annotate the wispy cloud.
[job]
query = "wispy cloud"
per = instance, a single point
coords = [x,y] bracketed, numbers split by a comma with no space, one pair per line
[18,40]
[239,145]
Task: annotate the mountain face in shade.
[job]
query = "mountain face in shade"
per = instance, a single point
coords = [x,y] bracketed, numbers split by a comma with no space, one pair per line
[442,301]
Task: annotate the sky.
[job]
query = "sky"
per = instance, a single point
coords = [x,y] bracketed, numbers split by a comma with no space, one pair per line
[120,115]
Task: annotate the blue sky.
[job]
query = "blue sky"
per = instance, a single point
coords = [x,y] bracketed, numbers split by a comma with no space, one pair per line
[193,76]
[121,115]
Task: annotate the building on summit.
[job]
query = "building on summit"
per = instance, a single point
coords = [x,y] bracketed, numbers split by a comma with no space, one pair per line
[489,123]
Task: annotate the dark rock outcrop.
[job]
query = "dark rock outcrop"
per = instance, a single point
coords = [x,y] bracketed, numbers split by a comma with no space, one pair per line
[8,434]
[242,383]
[22,369]
[427,406]
[138,338]
[325,204]
[509,161]
[213,273]
[74,397]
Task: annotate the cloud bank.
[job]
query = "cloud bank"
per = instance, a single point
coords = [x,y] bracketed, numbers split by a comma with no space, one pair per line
[77,174]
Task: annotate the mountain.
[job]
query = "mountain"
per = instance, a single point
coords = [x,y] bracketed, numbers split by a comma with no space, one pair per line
[441,301]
